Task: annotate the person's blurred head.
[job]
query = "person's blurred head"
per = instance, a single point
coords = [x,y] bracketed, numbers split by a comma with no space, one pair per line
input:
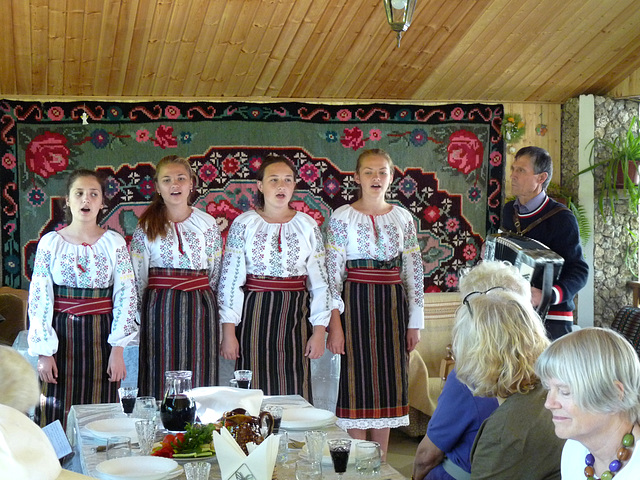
[18,381]
[592,374]
[493,273]
[497,337]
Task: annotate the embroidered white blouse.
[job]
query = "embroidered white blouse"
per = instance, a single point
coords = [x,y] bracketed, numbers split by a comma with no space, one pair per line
[255,247]
[352,235]
[193,244]
[101,265]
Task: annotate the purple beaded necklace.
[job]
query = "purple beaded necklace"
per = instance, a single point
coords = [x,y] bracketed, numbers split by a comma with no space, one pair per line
[622,455]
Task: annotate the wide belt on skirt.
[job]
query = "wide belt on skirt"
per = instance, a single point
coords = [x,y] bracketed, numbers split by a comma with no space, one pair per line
[381,276]
[166,278]
[82,301]
[273,284]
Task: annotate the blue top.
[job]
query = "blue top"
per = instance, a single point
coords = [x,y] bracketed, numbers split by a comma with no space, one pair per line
[456,420]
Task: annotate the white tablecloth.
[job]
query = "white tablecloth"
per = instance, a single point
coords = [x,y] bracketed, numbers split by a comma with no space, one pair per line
[84,443]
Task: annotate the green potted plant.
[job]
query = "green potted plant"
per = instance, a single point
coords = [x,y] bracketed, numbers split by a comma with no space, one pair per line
[620,158]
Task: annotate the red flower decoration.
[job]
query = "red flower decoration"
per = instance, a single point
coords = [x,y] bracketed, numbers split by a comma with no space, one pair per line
[433,289]
[465,151]
[470,252]
[300,206]
[164,137]
[142,136]
[47,154]
[353,138]
[431,214]
[230,165]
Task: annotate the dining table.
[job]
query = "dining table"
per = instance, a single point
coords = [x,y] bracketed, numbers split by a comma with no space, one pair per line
[88,454]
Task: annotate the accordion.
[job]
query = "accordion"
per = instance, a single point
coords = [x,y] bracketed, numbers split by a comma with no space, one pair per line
[536,262]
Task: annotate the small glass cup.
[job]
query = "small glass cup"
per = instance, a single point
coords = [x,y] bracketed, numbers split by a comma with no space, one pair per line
[368,458]
[118,447]
[146,408]
[283,447]
[276,412]
[308,470]
[243,378]
[197,470]
[146,430]
[128,399]
[315,444]
[339,450]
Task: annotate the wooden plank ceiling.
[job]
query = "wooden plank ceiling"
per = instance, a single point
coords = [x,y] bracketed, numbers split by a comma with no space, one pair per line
[492,50]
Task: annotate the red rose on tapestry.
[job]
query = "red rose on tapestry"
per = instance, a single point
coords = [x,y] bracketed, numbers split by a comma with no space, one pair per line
[47,154]
[352,138]
[164,137]
[465,151]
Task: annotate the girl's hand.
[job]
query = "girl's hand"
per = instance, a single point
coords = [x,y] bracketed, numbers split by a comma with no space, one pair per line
[47,369]
[116,369]
[230,348]
[315,344]
[335,340]
[413,337]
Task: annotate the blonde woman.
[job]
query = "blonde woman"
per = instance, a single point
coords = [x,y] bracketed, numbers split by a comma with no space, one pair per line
[497,338]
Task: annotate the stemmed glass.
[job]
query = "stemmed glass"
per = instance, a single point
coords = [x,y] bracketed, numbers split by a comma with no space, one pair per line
[339,450]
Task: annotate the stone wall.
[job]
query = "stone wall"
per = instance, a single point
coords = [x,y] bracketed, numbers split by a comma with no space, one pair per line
[611,239]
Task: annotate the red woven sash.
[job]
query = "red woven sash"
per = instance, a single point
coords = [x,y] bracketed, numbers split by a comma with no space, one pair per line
[379,276]
[83,306]
[184,283]
[271,284]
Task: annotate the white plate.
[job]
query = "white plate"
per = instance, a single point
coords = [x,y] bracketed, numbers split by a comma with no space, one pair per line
[182,460]
[137,468]
[306,418]
[114,427]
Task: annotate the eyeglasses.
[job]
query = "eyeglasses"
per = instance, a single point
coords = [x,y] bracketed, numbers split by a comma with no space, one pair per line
[465,301]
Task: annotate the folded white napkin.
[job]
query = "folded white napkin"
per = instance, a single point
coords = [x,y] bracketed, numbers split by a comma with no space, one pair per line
[260,462]
[212,402]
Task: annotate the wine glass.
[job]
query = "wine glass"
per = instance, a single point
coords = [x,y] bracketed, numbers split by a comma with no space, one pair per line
[128,399]
[339,450]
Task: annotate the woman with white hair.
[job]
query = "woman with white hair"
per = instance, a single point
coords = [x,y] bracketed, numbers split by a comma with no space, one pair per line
[497,339]
[593,378]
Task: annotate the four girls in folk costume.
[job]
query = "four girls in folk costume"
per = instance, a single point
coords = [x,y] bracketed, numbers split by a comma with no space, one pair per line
[82,306]
[376,276]
[176,252]
[274,295]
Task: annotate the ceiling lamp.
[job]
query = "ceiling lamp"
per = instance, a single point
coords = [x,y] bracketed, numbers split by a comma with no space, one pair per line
[399,15]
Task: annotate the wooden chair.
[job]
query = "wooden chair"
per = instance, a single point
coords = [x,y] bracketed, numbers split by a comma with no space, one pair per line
[13,308]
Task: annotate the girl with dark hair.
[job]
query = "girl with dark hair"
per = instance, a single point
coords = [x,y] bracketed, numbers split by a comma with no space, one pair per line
[82,306]
[274,296]
[176,251]
[376,277]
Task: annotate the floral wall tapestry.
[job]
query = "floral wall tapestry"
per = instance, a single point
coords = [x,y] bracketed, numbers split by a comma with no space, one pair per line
[449,166]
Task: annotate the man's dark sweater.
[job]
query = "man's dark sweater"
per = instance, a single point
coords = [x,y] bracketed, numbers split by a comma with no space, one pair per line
[560,233]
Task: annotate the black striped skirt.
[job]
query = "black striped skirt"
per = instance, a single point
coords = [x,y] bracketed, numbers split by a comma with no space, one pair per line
[374,369]
[178,331]
[82,360]
[273,334]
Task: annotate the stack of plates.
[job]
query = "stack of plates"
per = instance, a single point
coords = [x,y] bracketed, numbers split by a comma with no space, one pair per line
[306,418]
[114,427]
[138,468]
